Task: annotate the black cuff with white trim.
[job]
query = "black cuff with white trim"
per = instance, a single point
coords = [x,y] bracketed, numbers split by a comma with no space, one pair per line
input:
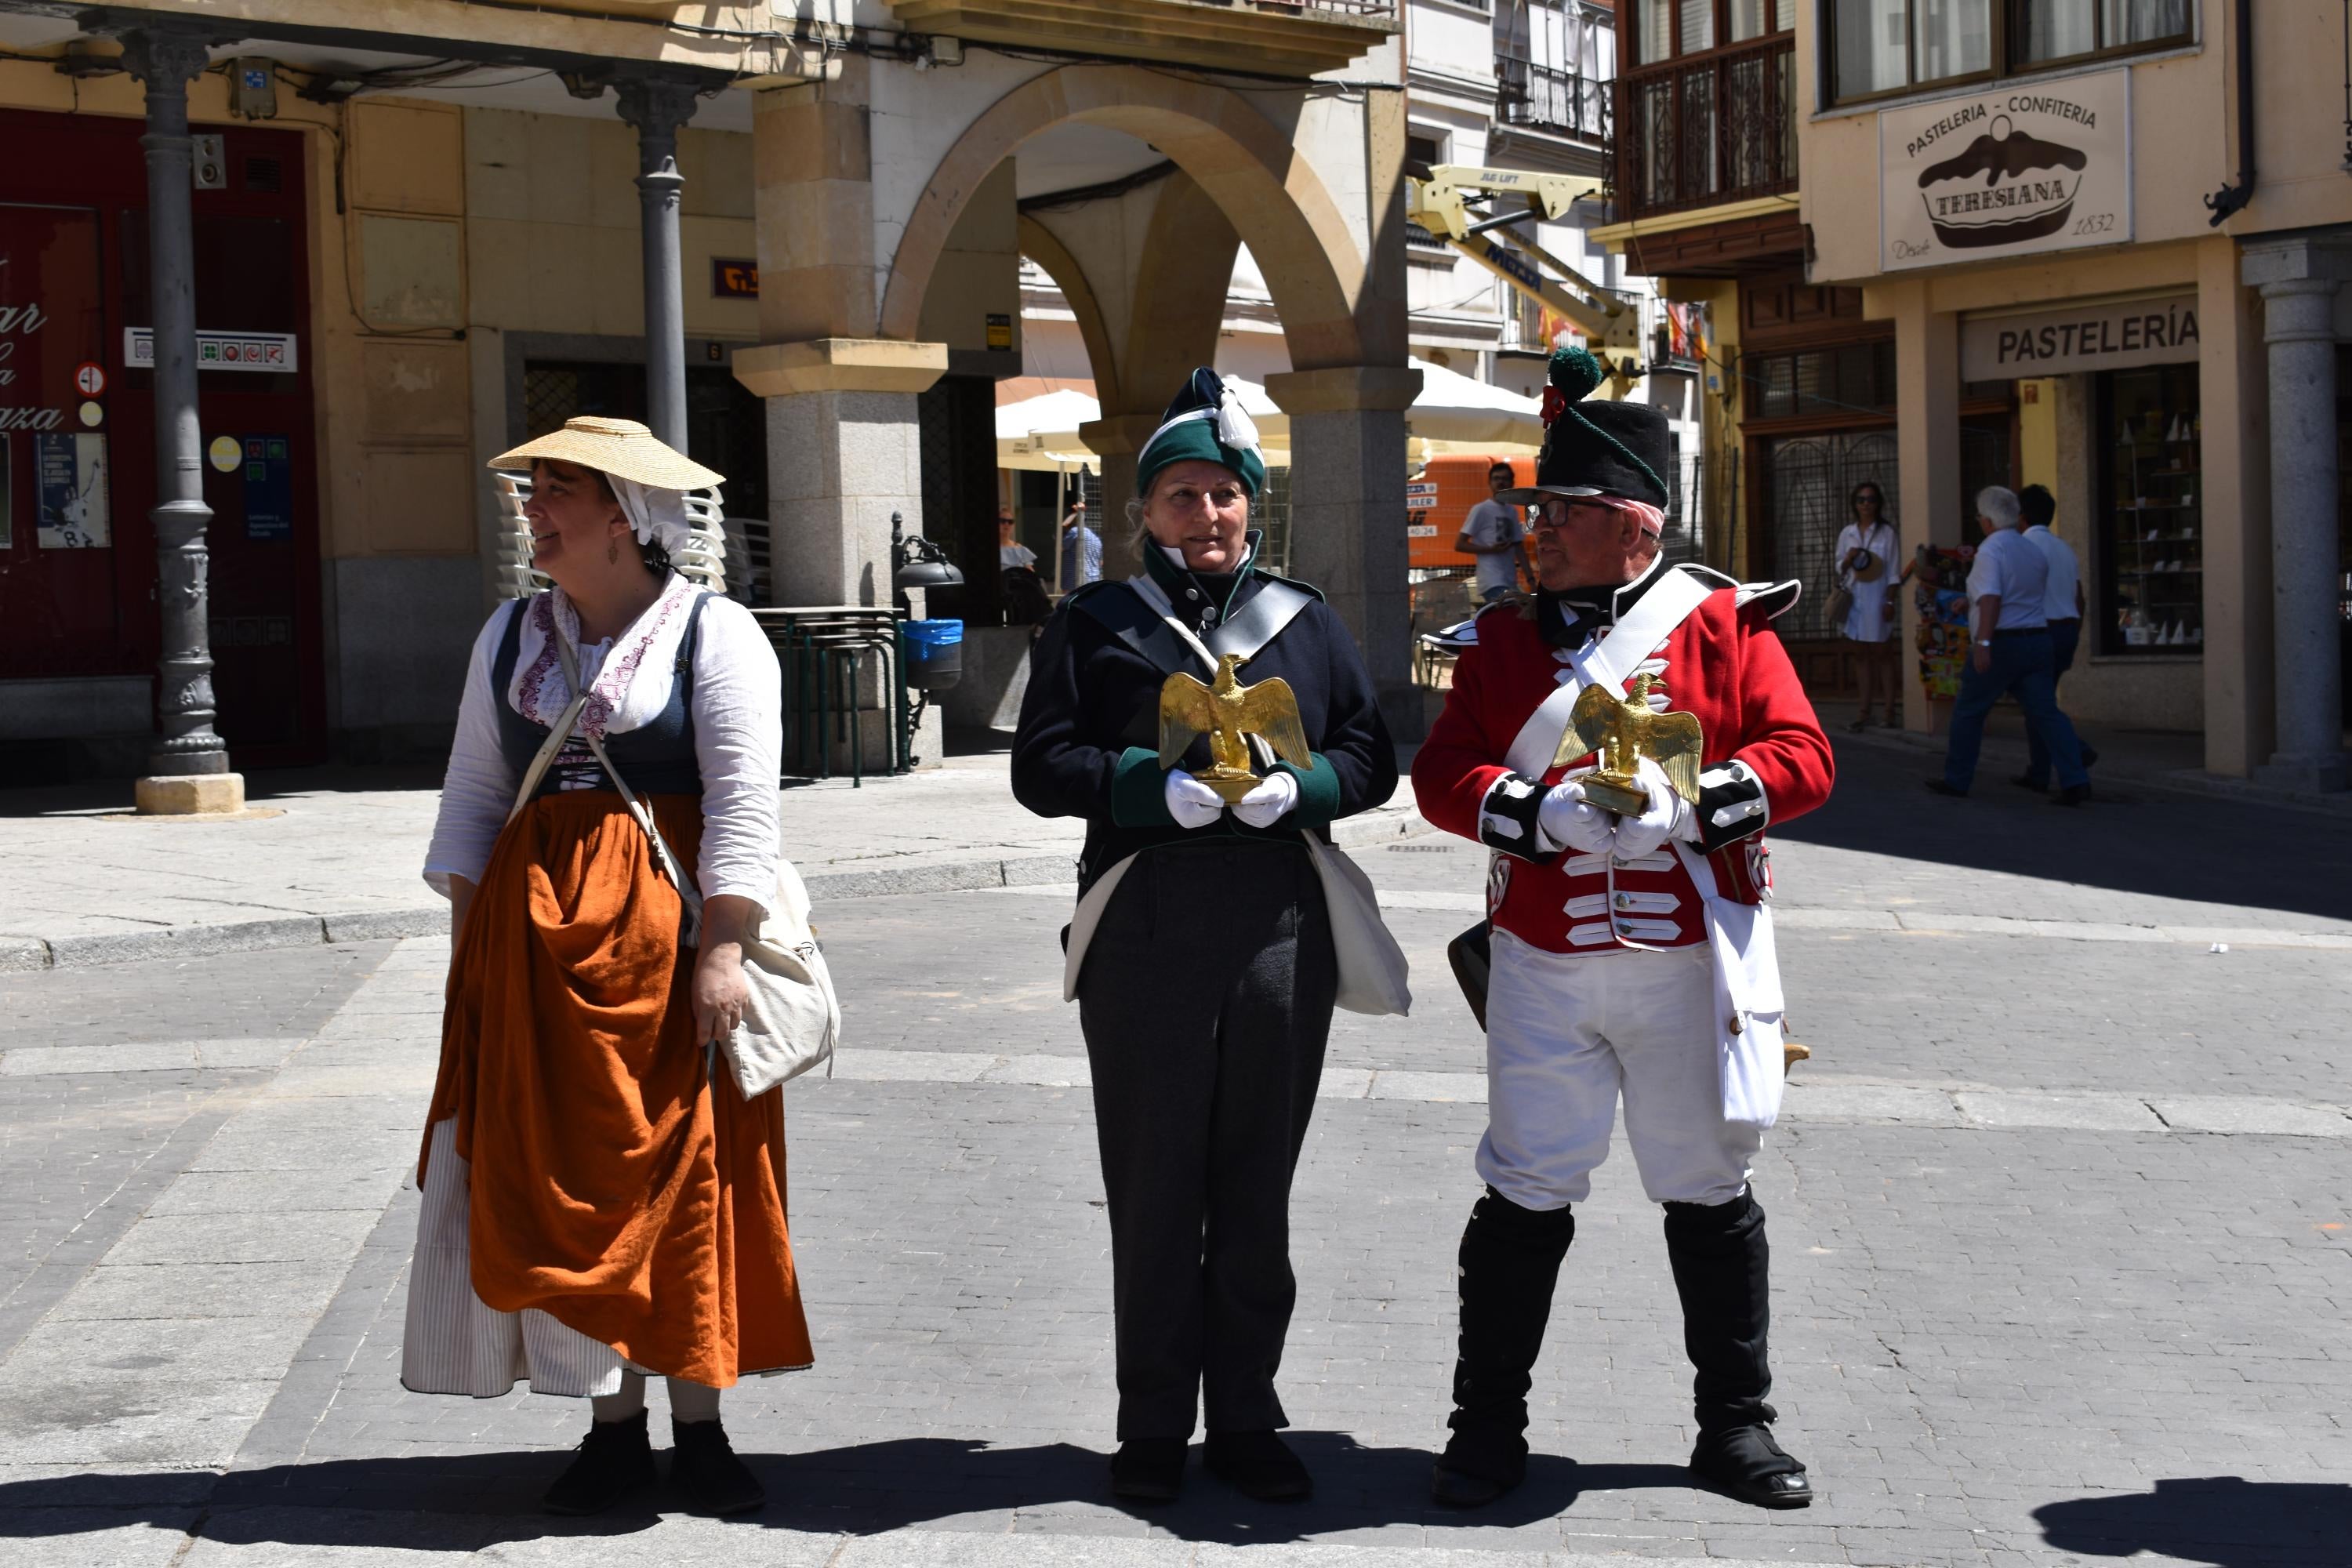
[1731,806]
[1507,819]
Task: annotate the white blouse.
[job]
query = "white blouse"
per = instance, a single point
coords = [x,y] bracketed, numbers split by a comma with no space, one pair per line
[737,704]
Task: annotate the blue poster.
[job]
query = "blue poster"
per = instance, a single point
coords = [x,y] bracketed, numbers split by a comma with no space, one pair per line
[268,489]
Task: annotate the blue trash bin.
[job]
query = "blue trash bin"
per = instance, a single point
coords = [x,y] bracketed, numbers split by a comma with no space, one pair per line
[932,653]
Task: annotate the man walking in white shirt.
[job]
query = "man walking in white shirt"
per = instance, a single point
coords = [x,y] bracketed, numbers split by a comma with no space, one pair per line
[1492,532]
[2009,653]
[2062,606]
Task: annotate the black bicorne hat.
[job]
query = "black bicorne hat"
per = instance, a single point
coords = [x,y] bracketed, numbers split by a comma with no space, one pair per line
[1595,448]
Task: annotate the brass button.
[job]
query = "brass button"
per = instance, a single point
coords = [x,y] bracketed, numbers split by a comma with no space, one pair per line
[1736,1025]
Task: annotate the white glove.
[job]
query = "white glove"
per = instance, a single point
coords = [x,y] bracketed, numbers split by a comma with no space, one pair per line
[1269,802]
[1668,815]
[1192,802]
[1567,819]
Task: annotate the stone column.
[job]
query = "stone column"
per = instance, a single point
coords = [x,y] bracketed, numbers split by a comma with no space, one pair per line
[845,451]
[1118,439]
[187,770]
[1927,447]
[1346,513]
[658,109]
[2298,278]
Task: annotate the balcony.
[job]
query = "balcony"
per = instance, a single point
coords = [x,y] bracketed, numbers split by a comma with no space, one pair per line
[1530,97]
[1278,38]
[1708,131]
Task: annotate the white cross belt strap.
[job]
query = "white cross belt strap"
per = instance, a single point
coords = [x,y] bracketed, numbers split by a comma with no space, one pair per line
[1649,622]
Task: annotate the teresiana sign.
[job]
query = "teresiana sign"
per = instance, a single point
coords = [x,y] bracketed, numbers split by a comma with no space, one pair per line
[2015,171]
[2108,335]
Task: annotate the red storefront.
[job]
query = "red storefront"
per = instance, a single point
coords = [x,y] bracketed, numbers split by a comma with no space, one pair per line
[78,577]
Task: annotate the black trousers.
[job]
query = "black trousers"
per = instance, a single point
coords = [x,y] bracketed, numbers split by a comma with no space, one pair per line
[1206,1002]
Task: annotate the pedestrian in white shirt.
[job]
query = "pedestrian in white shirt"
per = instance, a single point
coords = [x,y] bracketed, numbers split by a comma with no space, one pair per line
[1865,555]
[2009,653]
[1492,533]
[2062,606]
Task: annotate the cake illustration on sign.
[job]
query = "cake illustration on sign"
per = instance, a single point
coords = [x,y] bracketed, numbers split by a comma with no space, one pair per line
[2008,186]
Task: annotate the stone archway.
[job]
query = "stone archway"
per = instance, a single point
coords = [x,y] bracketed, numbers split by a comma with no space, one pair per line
[1243,161]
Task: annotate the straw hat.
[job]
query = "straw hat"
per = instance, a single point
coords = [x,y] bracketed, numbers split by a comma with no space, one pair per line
[621,448]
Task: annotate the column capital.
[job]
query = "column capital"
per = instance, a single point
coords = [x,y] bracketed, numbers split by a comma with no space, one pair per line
[165,59]
[1121,432]
[2295,259]
[1345,389]
[656,107]
[840,365]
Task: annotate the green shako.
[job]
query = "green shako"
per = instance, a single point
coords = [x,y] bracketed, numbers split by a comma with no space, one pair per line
[1207,421]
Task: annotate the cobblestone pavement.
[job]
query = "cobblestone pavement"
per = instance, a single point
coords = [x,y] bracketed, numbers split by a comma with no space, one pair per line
[2060,1212]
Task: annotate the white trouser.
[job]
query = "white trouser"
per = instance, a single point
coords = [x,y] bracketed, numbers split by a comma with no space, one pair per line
[1565,1032]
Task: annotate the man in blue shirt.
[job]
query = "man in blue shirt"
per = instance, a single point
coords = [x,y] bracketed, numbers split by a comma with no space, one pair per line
[2011,652]
[1081,549]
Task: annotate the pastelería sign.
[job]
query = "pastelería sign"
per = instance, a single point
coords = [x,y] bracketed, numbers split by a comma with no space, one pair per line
[2015,170]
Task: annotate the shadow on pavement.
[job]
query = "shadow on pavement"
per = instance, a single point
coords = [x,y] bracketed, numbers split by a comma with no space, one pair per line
[470,1501]
[2219,1520]
[2158,845]
[262,785]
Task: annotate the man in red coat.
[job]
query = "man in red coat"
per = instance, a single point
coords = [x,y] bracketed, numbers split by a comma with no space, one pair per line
[1629,953]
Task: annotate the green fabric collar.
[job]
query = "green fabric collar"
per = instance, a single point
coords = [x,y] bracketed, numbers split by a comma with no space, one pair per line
[1176,580]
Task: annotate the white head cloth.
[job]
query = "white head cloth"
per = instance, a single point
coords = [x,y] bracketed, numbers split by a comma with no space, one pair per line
[658,516]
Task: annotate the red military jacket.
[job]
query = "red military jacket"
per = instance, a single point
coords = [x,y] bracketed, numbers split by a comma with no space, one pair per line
[1764,758]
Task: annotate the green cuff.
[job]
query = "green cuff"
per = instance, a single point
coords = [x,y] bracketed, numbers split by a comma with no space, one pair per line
[1138,790]
[1318,793]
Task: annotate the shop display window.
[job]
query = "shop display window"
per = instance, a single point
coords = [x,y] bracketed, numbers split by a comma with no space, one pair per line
[2151,535]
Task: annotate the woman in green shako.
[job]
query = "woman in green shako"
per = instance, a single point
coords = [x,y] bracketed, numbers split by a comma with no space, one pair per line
[1210,944]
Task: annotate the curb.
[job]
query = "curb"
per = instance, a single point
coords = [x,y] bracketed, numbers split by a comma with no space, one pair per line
[2193,782]
[24,954]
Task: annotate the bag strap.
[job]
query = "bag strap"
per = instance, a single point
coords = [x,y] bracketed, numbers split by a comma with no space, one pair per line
[556,736]
[687,891]
[1651,619]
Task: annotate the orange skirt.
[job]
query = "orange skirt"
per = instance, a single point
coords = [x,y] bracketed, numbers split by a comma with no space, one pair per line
[612,1185]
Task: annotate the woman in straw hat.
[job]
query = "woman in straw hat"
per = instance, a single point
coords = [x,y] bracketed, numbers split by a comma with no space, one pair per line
[598,1205]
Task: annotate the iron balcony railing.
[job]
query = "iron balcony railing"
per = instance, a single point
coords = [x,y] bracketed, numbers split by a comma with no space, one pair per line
[1699,132]
[1541,97]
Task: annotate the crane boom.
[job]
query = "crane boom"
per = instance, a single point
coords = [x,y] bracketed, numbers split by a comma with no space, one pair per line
[1440,198]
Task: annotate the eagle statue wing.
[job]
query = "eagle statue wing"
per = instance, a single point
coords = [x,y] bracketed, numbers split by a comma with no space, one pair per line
[1673,741]
[1270,709]
[1592,724]
[1186,709]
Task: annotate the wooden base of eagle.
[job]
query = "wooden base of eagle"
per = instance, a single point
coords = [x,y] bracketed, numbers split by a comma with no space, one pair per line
[1229,712]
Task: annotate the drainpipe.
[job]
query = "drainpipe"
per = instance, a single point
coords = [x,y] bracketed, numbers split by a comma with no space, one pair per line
[658,109]
[187,770]
[2230,200]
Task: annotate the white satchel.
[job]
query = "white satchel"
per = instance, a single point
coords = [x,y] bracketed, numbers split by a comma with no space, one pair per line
[792,1019]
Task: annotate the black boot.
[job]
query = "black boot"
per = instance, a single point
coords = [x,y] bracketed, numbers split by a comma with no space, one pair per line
[615,1459]
[1723,1273]
[1258,1465]
[1149,1469]
[1509,1262]
[702,1463]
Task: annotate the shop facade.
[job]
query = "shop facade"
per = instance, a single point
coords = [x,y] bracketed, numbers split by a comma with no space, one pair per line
[2059,223]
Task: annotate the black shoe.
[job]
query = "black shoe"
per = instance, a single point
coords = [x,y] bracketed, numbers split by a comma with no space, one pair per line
[1149,1469]
[1746,1462]
[1258,1465]
[1944,786]
[2073,795]
[615,1460]
[703,1465]
[1477,1467]
[2090,756]
[2026,781]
